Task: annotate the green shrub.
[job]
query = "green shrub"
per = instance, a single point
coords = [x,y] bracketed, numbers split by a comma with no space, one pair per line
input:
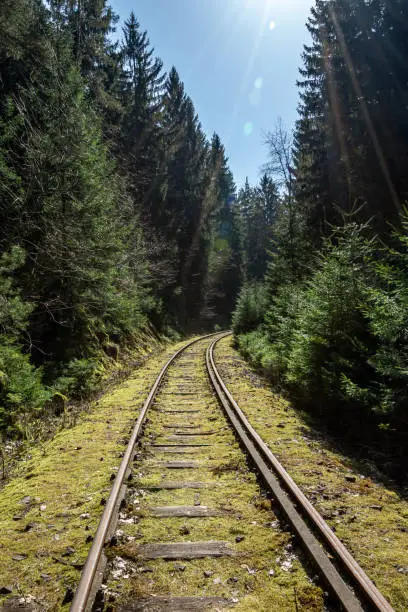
[386,310]
[256,347]
[80,377]
[250,308]
[22,392]
[314,335]
[328,348]
[280,322]
[338,339]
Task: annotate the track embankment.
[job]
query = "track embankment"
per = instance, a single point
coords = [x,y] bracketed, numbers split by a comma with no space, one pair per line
[162,499]
[367,513]
[50,510]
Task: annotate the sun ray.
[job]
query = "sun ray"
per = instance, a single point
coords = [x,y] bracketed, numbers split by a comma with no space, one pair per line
[364,108]
[337,111]
[217,35]
[248,71]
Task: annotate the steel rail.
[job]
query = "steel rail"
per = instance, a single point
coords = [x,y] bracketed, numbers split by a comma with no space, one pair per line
[258,451]
[84,589]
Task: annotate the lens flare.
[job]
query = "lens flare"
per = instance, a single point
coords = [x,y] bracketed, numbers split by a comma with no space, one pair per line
[255,97]
[248,128]
[272,24]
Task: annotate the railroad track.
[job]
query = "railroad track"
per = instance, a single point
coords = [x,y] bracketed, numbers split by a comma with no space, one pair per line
[165,532]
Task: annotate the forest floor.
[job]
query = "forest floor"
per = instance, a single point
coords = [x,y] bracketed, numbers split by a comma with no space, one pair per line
[112,371]
[51,508]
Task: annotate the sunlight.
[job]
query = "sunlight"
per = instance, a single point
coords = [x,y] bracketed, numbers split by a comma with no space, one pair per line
[365,111]
[260,18]
[255,97]
[275,6]
[247,72]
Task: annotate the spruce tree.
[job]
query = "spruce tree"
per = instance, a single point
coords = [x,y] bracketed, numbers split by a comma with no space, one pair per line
[350,142]
[224,274]
[141,93]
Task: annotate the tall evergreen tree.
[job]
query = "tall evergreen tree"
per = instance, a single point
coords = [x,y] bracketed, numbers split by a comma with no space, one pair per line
[89,24]
[140,141]
[350,138]
[257,208]
[60,203]
[110,197]
[224,274]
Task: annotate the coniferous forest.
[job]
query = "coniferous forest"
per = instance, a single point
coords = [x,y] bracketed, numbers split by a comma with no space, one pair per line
[117,213]
[113,203]
[329,320]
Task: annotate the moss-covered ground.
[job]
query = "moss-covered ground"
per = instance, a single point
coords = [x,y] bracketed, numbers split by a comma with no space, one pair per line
[268,571]
[367,514]
[51,508]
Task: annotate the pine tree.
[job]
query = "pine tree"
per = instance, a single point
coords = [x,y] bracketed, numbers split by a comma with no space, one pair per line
[257,208]
[224,275]
[89,24]
[142,90]
[270,197]
[350,146]
[62,208]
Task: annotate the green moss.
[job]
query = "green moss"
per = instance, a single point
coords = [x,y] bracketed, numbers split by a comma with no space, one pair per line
[368,516]
[256,577]
[66,479]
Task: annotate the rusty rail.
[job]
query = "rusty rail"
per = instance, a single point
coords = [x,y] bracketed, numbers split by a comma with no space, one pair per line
[283,488]
[81,601]
[292,501]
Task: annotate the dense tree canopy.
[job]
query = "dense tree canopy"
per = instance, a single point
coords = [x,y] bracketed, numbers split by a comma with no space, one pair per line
[352,131]
[114,205]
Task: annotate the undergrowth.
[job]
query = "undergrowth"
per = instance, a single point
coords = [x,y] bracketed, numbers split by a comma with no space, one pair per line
[336,338]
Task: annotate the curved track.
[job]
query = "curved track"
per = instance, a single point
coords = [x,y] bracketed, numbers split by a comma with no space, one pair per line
[342,577]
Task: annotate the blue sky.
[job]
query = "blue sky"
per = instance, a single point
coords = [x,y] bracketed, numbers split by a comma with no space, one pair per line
[239,62]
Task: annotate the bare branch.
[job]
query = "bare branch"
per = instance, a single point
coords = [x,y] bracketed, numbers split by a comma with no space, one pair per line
[280,147]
